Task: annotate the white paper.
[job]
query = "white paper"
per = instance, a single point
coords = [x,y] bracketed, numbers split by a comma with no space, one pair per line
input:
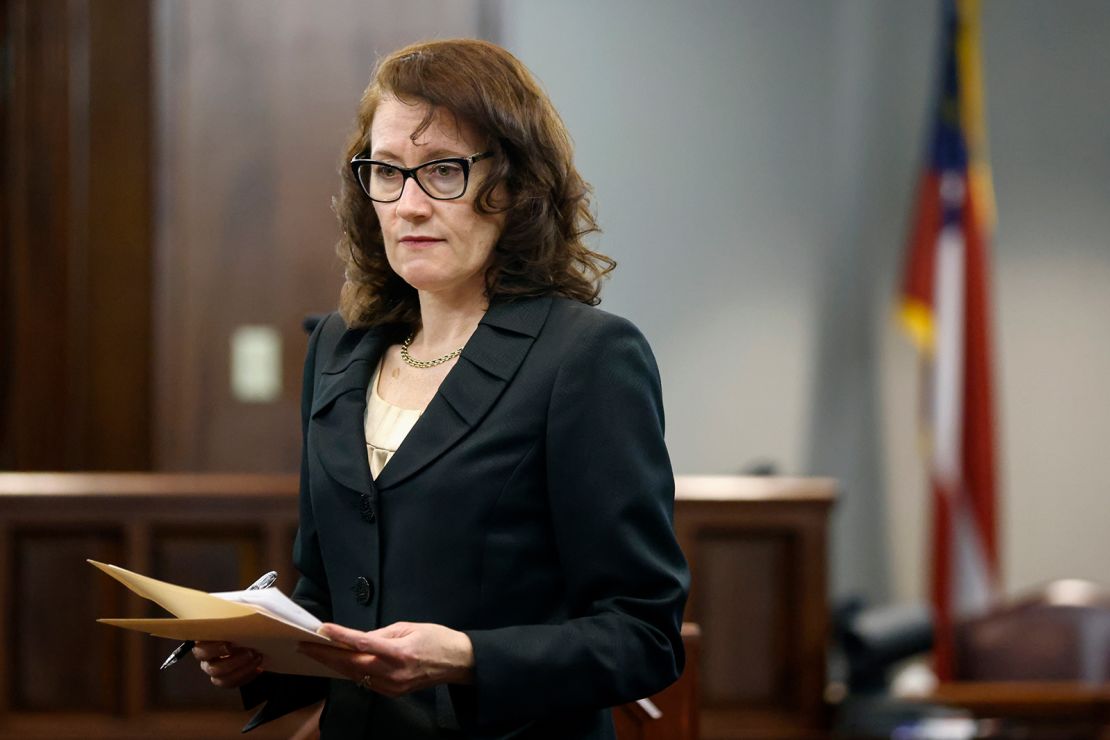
[276,603]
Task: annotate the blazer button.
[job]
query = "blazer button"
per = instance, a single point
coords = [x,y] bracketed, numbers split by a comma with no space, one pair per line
[364,590]
[366,507]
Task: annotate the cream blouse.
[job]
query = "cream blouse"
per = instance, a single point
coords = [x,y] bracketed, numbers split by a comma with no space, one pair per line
[385,426]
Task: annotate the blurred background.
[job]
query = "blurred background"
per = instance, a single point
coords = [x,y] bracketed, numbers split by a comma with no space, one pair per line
[168,170]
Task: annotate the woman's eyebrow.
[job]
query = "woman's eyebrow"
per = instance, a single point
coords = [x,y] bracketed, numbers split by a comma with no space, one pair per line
[429,156]
[443,154]
[383,154]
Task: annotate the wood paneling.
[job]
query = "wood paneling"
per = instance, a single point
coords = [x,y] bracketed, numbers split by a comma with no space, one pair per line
[756,547]
[116,306]
[257,99]
[57,604]
[208,558]
[36,234]
[63,674]
[757,552]
[740,668]
[228,121]
[75,212]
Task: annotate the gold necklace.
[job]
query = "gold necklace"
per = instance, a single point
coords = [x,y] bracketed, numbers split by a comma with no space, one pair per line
[422,364]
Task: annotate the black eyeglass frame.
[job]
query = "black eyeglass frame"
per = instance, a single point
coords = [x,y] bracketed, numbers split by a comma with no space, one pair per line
[410,172]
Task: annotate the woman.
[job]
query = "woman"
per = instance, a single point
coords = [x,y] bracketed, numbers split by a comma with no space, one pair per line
[486,497]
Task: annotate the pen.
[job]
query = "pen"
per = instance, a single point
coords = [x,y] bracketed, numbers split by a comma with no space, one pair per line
[264,582]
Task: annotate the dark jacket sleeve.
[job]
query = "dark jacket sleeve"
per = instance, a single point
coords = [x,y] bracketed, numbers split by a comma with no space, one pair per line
[284,693]
[611,498]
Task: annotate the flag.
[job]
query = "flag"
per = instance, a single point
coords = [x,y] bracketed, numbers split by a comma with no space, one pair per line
[945,308]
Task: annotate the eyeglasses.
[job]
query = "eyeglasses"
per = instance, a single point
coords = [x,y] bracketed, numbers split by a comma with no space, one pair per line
[441,179]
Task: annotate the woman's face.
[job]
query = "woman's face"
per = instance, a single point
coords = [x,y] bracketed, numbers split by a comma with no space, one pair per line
[436,246]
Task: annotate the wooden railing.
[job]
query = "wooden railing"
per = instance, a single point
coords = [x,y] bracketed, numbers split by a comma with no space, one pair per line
[756,546]
[64,675]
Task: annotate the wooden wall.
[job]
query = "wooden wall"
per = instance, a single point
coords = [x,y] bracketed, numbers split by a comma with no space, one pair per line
[75,279]
[168,169]
[256,100]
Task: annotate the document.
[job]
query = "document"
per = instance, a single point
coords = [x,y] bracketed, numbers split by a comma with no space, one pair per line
[265,620]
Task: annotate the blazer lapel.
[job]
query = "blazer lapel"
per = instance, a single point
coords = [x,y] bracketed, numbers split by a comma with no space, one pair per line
[339,406]
[487,364]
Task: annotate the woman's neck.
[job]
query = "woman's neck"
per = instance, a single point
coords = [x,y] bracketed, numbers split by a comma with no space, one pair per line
[447,321]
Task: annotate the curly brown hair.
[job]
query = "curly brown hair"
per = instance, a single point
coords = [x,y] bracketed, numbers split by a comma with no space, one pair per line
[541,250]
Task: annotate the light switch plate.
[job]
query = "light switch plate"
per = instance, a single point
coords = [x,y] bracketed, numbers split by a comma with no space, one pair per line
[255,364]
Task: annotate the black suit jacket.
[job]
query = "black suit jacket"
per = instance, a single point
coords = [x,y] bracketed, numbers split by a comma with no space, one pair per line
[530,506]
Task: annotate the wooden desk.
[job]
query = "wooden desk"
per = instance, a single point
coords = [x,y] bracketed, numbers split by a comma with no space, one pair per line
[1034,709]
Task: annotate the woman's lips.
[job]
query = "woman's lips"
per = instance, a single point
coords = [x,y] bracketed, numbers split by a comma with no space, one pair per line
[419,241]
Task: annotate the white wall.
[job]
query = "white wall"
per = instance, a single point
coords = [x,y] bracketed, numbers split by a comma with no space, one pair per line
[754,165]
[1050,116]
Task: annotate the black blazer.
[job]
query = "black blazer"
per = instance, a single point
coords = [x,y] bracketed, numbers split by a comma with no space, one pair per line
[530,506]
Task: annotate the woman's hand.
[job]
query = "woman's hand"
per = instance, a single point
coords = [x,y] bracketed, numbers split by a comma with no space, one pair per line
[398,659]
[228,666]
